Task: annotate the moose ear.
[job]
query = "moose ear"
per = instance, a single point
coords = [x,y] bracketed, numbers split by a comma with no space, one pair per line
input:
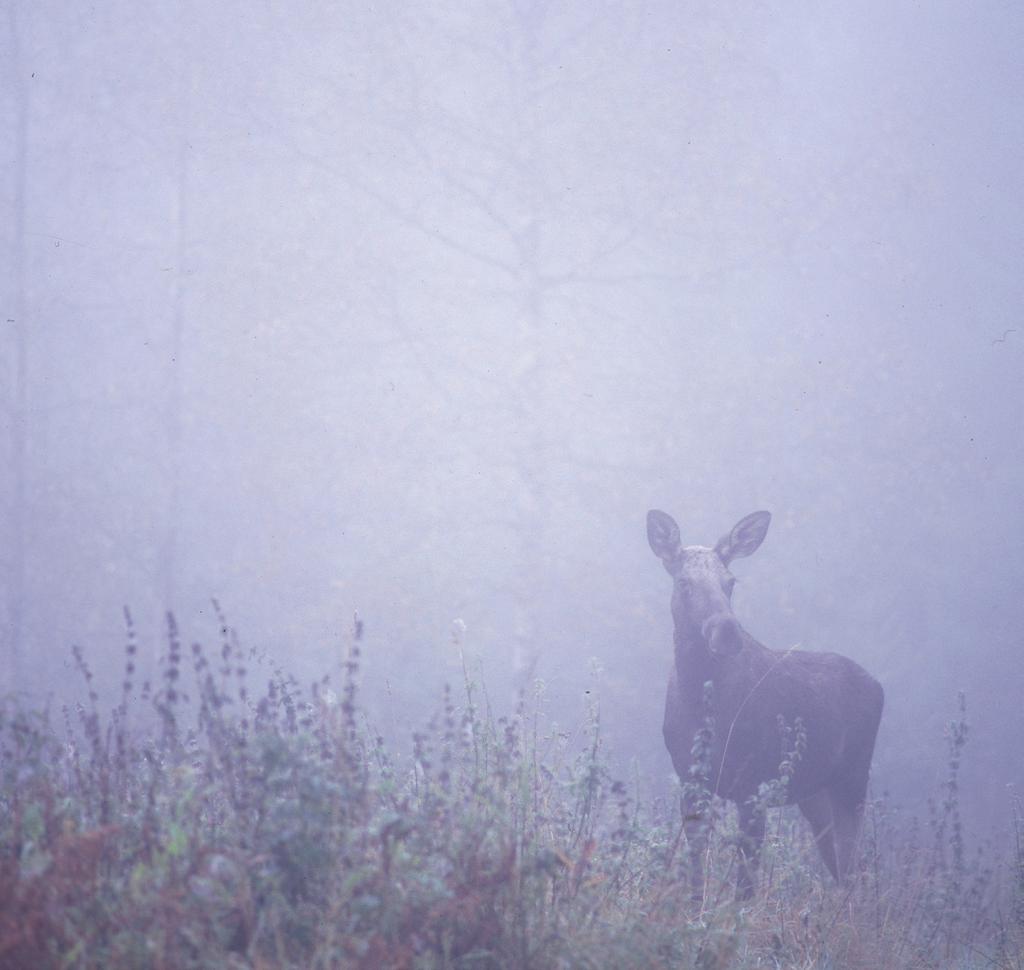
[663,535]
[745,537]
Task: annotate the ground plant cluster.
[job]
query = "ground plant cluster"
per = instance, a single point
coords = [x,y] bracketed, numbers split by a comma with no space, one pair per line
[204,822]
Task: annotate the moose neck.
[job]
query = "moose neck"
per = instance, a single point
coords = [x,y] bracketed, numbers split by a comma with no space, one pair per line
[695,664]
[701,651]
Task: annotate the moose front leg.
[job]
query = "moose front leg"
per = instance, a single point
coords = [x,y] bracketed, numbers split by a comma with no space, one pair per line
[749,849]
[696,826]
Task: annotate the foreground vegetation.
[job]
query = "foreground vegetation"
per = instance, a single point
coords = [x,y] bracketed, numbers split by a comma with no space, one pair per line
[230,829]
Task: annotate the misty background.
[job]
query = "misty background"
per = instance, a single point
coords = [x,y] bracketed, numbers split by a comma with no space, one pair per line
[415,309]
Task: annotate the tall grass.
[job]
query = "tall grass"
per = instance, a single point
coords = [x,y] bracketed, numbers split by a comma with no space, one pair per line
[203,823]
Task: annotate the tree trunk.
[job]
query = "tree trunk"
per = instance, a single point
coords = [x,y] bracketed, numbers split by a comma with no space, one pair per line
[13,640]
[174,401]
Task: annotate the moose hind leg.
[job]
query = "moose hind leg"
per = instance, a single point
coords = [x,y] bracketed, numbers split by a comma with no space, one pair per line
[817,809]
[848,788]
[847,821]
[751,837]
[847,798]
[847,794]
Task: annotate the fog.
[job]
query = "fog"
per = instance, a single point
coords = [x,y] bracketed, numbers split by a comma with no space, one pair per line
[415,310]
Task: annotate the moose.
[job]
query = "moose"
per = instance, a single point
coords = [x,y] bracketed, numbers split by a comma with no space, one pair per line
[753,690]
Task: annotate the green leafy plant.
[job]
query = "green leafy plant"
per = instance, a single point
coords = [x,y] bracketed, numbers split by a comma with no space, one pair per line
[207,824]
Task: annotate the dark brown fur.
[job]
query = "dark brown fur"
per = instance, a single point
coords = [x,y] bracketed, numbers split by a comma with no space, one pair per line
[837,701]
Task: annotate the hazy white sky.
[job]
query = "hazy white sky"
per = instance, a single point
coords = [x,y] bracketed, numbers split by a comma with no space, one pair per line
[460,292]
